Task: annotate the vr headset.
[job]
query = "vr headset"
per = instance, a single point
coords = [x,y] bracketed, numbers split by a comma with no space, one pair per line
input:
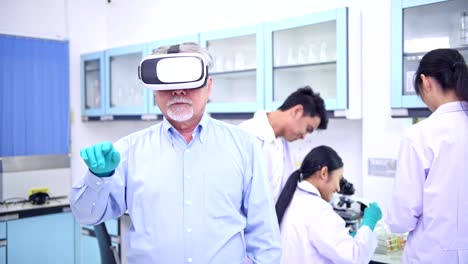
[173,70]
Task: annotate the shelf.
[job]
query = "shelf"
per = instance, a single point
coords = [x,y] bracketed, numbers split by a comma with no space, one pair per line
[410,112]
[239,73]
[307,65]
[422,53]
[127,117]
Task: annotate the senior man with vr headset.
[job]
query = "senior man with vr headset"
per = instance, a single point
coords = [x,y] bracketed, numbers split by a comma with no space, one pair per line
[195,188]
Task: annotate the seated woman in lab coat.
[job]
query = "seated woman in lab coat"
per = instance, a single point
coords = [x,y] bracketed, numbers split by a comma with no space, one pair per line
[311,232]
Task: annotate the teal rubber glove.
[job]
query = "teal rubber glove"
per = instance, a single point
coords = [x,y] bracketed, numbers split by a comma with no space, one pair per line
[372,214]
[353,234]
[101,159]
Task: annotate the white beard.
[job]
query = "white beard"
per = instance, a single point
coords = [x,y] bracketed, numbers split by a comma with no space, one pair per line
[180,112]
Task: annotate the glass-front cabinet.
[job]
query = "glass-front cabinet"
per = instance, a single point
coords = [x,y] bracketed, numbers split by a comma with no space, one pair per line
[92,77]
[150,47]
[237,70]
[309,50]
[255,67]
[125,93]
[419,26]
[110,84]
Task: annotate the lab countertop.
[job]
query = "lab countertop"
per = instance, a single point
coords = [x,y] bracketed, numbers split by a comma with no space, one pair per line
[20,209]
[390,258]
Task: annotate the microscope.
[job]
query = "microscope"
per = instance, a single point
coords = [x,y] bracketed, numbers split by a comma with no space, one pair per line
[346,207]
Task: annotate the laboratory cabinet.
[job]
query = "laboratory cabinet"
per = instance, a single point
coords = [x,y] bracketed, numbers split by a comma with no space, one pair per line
[41,239]
[92,84]
[307,50]
[89,251]
[418,26]
[149,48]
[110,85]
[2,254]
[3,243]
[2,231]
[124,92]
[255,67]
[237,73]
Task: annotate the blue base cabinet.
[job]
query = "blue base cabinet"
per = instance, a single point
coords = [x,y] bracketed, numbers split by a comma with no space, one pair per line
[90,250]
[41,239]
[89,245]
[2,255]
[3,242]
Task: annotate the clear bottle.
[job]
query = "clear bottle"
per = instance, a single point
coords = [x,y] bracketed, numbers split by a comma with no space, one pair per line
[323,51]
[464,28]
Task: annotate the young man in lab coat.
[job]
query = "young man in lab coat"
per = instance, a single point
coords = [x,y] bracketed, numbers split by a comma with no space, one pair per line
[194,187]
[302,113]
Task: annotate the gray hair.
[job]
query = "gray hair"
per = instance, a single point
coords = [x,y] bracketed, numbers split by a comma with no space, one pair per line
[191,47]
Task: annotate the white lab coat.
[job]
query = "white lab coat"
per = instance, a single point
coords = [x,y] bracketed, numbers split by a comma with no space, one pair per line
[311,232]
[430,190]
[275,150]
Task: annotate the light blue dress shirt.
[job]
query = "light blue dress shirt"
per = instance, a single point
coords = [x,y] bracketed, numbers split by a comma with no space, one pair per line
[207,201]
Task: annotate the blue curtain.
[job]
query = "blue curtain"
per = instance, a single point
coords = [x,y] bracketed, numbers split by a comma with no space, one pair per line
[34,96]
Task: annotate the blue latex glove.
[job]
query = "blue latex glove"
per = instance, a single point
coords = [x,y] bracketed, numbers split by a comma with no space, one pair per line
[372,214]
[101,159]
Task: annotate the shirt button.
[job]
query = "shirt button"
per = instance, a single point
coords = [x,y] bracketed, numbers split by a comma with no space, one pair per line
[188,176]
[188,202]
[189,260]
[98,183]
[94,204]
[189,230]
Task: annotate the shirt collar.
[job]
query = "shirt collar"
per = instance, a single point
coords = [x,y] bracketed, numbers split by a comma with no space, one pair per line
[450,107]
[267,133]
[308,187]
[201,128]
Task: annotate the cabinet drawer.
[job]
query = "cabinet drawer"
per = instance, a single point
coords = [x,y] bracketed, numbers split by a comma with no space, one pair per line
[2,230]
[2,255]
[113,227]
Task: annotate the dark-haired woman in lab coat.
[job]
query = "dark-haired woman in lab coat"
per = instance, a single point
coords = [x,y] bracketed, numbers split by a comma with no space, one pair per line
[430,192]
[311,232]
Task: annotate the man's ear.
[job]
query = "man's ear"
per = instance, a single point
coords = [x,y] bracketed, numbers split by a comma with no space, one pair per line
[297,111]
[209,84]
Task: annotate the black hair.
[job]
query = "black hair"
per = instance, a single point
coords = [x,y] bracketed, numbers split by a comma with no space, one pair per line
[449,69]
[315,160]
[312,103]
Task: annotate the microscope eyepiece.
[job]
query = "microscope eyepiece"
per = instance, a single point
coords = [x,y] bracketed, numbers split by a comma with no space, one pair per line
[346,188]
